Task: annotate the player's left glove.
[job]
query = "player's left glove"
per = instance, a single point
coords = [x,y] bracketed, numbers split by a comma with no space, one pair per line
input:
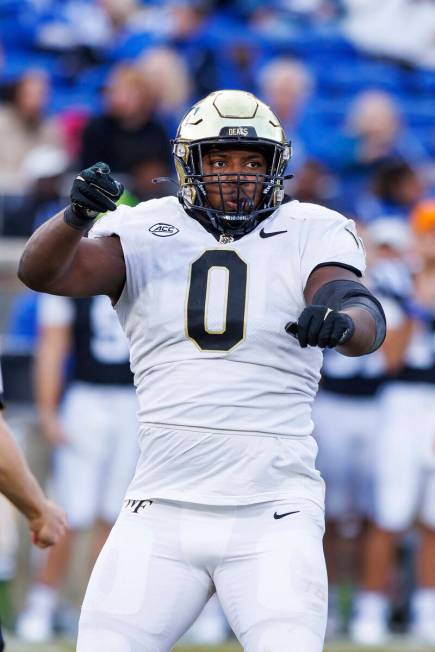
[321,326]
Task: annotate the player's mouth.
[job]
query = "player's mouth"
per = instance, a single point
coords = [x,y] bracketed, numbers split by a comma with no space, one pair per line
[231,205]
[232,200]
[237,205]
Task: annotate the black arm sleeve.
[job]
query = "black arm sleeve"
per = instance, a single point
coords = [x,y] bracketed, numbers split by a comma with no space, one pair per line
[342,294]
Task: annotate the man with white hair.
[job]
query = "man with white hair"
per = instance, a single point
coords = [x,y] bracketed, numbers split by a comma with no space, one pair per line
[286,85]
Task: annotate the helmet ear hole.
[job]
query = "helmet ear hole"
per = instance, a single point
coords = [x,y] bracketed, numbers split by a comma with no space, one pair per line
[278,196]
[188,194]
[181,150]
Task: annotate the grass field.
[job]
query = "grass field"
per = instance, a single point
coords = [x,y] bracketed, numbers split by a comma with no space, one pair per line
[401,646]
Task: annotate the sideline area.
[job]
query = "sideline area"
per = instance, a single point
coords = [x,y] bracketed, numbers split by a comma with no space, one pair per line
[401,646]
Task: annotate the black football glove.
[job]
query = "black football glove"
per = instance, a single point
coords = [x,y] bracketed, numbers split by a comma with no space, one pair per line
[93,191]
[321,326]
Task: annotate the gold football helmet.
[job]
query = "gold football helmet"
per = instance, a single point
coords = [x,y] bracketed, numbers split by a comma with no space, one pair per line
[233,119]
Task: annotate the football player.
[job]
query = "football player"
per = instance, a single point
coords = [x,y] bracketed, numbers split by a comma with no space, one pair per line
[46,521]
[227,294]
[90,441]
[347,415]
[404,472]
[346,418]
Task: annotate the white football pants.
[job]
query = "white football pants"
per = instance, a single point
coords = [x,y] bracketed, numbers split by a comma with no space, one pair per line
[164,559]
[345,430]
[405,457]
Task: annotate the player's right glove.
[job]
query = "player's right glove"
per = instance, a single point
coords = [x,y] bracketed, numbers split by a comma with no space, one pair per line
[321,326]
[93,191]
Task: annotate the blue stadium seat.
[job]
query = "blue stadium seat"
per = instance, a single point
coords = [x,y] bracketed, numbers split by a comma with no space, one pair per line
[17,62]
[131,46]
[328,112]
[16,34]
[349,78]
[71,98]
[419,112]
[421,82]
[93,79]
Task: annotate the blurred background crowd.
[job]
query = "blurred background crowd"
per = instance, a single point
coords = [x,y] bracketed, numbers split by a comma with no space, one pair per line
[353,83]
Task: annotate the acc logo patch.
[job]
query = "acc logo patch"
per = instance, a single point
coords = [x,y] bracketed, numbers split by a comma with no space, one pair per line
[163,230]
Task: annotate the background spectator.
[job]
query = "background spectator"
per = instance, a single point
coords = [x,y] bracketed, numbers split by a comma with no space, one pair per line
[373,132]
[401,29]
[287,86]
[315,184]
[43,171]
[23,126]
[171,83]
[127,129]
[393,189]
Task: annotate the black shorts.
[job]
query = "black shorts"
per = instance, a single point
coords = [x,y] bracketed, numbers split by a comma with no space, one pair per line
[2,643]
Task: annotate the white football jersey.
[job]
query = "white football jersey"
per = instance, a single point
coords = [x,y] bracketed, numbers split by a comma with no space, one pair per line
[206,323]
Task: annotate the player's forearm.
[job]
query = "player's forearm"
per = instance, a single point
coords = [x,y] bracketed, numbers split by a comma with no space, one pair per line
[17,482]
[396,345]
[48,375]
[48,383]
[49,254]
[364,335]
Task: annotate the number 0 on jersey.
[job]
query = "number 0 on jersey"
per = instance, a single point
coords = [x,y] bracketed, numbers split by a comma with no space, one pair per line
[218,281]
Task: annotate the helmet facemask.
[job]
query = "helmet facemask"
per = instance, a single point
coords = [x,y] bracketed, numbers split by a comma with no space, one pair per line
[255,194]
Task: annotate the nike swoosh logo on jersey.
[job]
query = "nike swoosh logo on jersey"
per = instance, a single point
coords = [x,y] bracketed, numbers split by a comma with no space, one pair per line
[263,234]
[276,516]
